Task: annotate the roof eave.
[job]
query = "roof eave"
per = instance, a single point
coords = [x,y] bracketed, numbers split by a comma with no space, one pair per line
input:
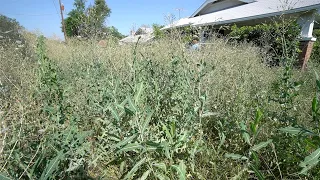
[212,1]
[308,8]
[201,7]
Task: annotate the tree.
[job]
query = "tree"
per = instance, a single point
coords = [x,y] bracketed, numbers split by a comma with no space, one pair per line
[10,30]
[112,31]
[87,22]
[74,22]
[101,12]
[158,33]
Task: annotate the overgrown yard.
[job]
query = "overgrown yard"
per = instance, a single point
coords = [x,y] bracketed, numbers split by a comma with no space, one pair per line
[157,111]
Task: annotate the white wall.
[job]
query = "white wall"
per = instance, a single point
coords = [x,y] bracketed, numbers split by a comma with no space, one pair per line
[306,21]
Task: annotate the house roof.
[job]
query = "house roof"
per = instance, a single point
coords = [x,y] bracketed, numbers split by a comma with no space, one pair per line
[144,33]
[258,9]
[134,38]
[144,30]
[208,2]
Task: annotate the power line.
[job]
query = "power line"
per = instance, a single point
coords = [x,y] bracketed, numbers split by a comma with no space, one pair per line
[21,14]
[55,6]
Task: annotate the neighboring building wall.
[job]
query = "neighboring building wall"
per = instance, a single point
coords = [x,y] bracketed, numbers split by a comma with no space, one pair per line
[218,6]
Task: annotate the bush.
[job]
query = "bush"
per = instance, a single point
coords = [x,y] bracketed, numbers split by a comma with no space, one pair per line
[315,56]
[279,39]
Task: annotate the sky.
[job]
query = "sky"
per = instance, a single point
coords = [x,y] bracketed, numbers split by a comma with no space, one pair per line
[44,15]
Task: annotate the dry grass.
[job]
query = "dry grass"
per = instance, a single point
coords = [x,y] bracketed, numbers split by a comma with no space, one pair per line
[236,84]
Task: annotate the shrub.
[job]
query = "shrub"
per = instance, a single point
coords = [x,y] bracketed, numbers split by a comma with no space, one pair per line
[279,39]
[315,56]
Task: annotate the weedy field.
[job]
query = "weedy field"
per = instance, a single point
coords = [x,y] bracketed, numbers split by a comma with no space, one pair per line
[155,111]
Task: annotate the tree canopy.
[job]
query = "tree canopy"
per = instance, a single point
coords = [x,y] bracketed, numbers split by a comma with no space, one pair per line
[89,21]
[10,30]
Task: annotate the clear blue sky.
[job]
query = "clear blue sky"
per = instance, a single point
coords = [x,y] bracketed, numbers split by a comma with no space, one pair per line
[43,15]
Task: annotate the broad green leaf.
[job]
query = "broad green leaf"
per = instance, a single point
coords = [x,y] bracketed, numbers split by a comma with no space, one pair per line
[3,177]
[130,147]
[138,93]
[161,166]
[256,159]
[135,168]
[259,115]
[315,105]
[122,166]
[257,172]
[254,125]
[166,150]
[181,170]
[167,132]
[318,80]
[310,161]
[209,114]
[114,113]
[318,84]
[194,150]
[296,131]
[129,111]
[132,106]
[261,145]
[245,133]
[146,122]
[112,137]
[161,176]
[305,170]
[152,146]
[236,156]
[222,139]
[52,166]
[173,129]
[184,137]
[125,141]
[145,175]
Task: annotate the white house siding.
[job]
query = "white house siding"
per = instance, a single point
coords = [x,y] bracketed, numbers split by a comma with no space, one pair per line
[218,6]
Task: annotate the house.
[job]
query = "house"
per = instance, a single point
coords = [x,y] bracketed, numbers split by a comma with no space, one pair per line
[217,13]
[143,34]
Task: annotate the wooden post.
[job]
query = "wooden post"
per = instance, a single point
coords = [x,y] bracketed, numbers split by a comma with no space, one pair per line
[62,21]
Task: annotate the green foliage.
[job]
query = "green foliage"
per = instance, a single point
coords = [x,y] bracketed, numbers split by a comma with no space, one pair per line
[113,31]
[87,22]
[280,39]
[310,135]
[10,31]
[315,56]
[156,130]
[59,148]
[73,23]
[158,33]
[100,11]
[155,111]
[250,137]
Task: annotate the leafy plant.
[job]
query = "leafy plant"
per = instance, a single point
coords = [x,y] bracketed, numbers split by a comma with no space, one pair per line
[315,57]
[312,137]
[250,137]
[273,37]
[156,130]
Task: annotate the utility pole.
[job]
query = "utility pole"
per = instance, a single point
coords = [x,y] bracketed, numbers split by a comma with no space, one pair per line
[179,10]
[62,20]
